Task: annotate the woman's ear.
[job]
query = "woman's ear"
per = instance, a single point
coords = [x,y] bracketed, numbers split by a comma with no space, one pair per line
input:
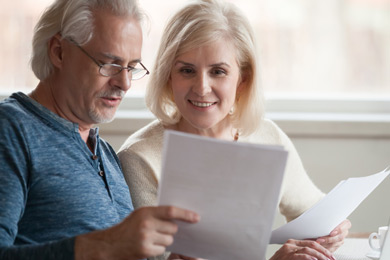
[242,84]
[169,88]
[55,50]
[171,96]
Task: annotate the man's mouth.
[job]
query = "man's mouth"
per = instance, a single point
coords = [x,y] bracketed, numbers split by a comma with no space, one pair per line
[111,101]
[113,98]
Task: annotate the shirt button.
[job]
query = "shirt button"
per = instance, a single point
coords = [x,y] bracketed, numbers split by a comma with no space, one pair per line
[101,173]
[94,157]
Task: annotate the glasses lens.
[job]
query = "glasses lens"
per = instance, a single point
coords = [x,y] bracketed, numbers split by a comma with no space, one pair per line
[110,69]
[114,69]
[138,73]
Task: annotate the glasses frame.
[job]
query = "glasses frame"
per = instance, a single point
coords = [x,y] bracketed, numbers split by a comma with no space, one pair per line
[101,65]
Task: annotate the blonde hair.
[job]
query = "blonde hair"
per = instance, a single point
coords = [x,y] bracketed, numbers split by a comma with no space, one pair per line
[197,24]
[73,19]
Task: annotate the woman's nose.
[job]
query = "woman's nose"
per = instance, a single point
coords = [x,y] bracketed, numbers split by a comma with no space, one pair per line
[202,85]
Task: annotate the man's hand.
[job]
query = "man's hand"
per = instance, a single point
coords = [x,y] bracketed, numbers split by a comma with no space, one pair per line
[144,233]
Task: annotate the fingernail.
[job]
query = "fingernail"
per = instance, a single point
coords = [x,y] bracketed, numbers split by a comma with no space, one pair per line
[333,257]
[321,240]
[334,233]
[196,217]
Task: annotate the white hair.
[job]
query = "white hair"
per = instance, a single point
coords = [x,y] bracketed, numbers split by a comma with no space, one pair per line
[197,24]
[73,19]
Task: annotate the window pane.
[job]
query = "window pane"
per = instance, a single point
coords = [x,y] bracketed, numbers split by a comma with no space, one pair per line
[18,20]
[316,46]
[305,46]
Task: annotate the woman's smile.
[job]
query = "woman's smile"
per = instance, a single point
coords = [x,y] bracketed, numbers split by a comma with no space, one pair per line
[201,104]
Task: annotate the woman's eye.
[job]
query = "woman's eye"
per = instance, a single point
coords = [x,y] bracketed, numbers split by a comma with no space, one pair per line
[219,72]
[186,70]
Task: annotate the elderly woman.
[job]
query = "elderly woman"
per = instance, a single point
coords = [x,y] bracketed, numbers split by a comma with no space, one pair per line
[205,82]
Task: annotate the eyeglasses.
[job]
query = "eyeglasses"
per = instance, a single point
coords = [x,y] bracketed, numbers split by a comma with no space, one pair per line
[108,70]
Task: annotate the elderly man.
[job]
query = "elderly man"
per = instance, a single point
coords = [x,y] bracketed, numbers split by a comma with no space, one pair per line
[62,193]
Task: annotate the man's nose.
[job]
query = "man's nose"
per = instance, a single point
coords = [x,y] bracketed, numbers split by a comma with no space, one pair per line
[122,80]
[202,85]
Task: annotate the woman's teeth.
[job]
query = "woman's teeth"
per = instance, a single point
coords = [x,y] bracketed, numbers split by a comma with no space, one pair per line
[201,104]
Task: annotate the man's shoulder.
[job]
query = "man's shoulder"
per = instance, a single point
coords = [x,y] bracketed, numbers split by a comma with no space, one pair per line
[12,110]
[9,103]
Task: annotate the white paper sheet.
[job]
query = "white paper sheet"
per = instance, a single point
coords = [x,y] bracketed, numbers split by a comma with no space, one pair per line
[336,206]
[233,186]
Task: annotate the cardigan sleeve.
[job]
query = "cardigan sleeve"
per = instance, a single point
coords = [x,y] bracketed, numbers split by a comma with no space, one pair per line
[140,178]
[298,193]
[142,182]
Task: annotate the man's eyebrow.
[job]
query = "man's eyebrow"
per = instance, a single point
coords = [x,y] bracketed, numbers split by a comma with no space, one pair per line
[117,58]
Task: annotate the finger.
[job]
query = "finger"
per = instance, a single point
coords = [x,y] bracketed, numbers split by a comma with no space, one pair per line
[337,235]
[341,228]
[314,245]
[162,240]
[165,227]
[148,223]
[307,251]
[151,245]
[155,250]
[345,226]
[330,240]
[175,213]
[333,246]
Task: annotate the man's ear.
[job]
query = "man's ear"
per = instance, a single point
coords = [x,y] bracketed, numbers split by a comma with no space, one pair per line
[55,47]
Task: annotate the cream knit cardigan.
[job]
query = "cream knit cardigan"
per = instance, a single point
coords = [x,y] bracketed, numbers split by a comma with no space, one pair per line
[140,157]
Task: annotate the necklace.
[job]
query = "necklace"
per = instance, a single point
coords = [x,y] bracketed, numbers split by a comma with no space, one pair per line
[236,136]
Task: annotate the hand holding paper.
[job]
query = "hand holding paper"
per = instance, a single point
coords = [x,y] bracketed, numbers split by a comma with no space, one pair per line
[342,200]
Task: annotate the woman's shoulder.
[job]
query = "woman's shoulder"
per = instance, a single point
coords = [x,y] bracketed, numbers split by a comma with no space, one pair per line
[149,137]
[268,133]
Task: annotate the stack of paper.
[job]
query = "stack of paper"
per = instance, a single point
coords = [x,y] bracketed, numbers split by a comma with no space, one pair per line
[233,186]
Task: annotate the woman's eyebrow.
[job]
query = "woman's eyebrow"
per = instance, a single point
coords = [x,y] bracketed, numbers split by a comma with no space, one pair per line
[220,64]
[184,63]
[211,65]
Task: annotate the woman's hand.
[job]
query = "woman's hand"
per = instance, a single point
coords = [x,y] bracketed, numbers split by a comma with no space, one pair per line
[336,237]
[302,250]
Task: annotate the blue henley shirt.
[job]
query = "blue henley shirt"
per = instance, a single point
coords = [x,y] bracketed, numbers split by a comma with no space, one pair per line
[52,187]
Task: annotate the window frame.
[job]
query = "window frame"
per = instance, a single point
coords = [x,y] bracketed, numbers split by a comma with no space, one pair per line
[308,116]
[305,116]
